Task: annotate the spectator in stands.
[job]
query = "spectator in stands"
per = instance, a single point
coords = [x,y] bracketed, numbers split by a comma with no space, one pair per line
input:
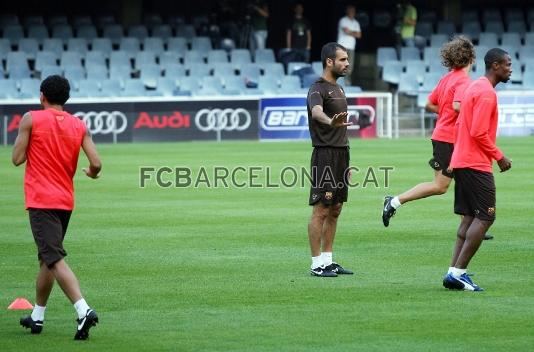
[406,22]
[298,35]
[348,31]
[260,14]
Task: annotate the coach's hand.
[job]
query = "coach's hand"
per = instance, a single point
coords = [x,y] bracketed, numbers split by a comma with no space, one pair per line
[340,120]
[504,164]
[90,173]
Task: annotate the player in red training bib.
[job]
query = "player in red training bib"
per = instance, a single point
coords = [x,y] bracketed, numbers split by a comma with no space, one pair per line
[49,141]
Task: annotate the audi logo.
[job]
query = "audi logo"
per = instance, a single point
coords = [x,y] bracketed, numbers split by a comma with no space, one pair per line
[104,122]
[223,119]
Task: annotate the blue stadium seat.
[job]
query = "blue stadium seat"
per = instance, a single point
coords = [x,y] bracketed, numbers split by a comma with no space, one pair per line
[437,40]
[163,31]
[201,44]
[150,73]
[189,84]
[13,33]
[290,84]
[437,67]
[5,47]
[431,53]
[422,99]
[62,31]
[74,73]
[392,71]
[488,39]
[169,57]
[113,32]
[95,58]
[416,68]
[87,31]
[97,72]
[250,71]
[513,14]
[424,29]
[193,56]
[309,79]
[481,51]
[517,27]
[491,14]
[71,58]
[38,31]
[294,66]
[50,70]
[385,54]
[446,27]
[224,69]
[472,30]
[33,20]
[152,19]
[138,31]
[110,88]
[526,52]
[119,58]
[166,87]
[121,73]
[133,88]
[494,27]
[212,82]
[408,84]
[16,58]
[77,44]
[154,45]
[198,70]
[82,20]
[186,31]
[130,45]
[240,56]
[53,45]
[29,88]
[104,20]
[8,89]
[511,39]
[57,19]
[410,53]
[317,67]
[177,44]
[103,46]
[45,58]
[29,46]
[264,56]
[217,56]
[145,58]
[173,70]
[529,38]
[269,84]
[274,69]
[19,72]
[234,85]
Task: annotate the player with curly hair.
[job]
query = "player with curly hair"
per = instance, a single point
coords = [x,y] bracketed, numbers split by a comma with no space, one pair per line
[458,55]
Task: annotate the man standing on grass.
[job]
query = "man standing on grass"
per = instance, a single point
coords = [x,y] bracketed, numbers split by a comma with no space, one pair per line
[49,140]
[327,116]
[474,152]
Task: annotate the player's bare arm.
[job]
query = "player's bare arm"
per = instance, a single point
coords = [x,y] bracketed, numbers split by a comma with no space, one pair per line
[338,120]
[431,107]
[89,148]
[23,138]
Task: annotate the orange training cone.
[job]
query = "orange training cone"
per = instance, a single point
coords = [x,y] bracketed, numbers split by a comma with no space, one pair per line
[20,304]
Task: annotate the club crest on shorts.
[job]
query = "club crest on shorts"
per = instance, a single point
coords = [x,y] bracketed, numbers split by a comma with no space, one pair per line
[328,195]
[491,211]
[314,197]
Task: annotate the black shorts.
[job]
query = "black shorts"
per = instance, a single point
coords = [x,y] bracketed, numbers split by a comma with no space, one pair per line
[49,227]
[474,194]
[329,172]
[442,152]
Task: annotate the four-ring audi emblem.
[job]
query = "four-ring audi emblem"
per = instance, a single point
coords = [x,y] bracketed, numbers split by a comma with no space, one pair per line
[223,119]
[104,122]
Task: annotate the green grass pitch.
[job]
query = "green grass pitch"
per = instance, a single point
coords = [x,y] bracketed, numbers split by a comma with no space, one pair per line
[184,269]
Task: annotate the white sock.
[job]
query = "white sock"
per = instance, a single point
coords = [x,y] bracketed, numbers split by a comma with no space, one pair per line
[457,272]
[450,269]
[81,308]
[317,262]
[395,202]
[327,258]
[38,313]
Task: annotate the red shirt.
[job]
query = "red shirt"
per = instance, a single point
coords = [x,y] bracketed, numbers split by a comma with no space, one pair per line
[52,158]
[477,128]
[448,90]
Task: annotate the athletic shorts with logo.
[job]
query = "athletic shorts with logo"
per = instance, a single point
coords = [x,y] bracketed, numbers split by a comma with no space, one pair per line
[474,194]
[442,154]
[49,227]
[329,173]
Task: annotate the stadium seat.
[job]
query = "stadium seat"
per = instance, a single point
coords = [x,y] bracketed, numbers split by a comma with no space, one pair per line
[13,33]
[422,99]
[16,58]
[513,14]
[430,81]
[224,69]
[29,46]
[57,19]
[424,29]
[431,53]
[437,67]
[517,27]
[154,45]
[138,31]
[7,19]
[19,72]
[317,67]
[113,32]
[133,88]
[62,31]
[169,57]
[201,44]
[217,56]
[193,57]
[45,58]
[82,20]
[234,85]
[74,73]
[150,73]
[189,84]
[104,20]
[71,58]
[120,72]
[33,20]
[8,89]
[212,82]
[173,70]
[526,52]
[86,31]
[290,84]
[119,58]
[494,27]
[491,14]
[264,56]
[110,88]
[416,68]
[38,31]
[385,54]
[145,58]
[186,31]
[29,88]
[198,70]
[481,51]
[269,84]
[294,66]
[77,44]
[408,84]
[250,71]
[163,31]
[273,69]
[310,78]
[410,53]
[511,39]
[53,45]
[130,45]
[392,71]
[97,72]
[437,40]
[103,46]
[240,56]
[5,47]
[177,44]
[488,39]
[446,27]
[95,58]
[50,70]
[472,30]
[166,86]
[152,19]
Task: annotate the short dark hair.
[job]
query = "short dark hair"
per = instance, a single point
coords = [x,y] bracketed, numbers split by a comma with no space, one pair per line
[329,51]
[494,55]
[56,89]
